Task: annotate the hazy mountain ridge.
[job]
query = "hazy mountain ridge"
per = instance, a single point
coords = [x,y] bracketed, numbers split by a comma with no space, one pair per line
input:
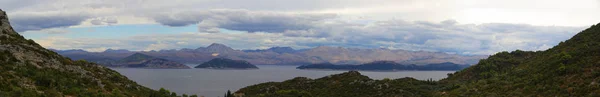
[386,66]
[286,55]
[276,49]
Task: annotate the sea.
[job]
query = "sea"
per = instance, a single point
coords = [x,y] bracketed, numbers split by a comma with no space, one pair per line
[215,83]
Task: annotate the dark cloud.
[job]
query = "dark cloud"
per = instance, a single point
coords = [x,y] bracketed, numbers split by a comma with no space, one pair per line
[243,20]
[179,19]
[25,22]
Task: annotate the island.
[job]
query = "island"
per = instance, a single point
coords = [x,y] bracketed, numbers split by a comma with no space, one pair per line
[224,63]
[139,60]
[385,66]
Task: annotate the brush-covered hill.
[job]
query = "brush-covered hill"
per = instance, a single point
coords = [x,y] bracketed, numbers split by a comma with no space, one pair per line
[29,70]
[224,63]
[348,84]
[571,68]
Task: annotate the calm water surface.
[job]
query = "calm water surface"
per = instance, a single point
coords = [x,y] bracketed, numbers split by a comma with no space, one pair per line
[214,83]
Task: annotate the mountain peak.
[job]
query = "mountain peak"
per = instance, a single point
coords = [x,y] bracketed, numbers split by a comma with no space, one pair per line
[216,47]
[141,55]
[5,26]
[137,57]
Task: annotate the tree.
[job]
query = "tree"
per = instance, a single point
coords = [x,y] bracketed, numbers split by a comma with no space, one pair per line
[228,94]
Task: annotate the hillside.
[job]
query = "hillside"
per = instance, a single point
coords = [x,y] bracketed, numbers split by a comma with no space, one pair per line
[29,70]
[571,68]
[224,63]
[348,84]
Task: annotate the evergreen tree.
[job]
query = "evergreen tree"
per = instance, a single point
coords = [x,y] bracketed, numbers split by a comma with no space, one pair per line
[228,94]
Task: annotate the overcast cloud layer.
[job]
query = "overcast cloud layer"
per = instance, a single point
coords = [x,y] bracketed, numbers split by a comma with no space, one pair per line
[454,26]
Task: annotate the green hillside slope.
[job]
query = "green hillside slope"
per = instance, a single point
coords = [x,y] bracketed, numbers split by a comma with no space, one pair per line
[571,68]
[29,70]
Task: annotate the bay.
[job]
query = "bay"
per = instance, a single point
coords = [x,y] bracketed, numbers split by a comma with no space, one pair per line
[214,83]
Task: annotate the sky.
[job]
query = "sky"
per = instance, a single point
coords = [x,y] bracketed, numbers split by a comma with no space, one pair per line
[467,27]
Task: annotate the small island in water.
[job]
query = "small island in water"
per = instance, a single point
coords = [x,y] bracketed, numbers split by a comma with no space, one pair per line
[224,63]
[139,60]
[385,66]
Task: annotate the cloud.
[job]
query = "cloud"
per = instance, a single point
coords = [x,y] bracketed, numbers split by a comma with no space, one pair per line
[469,38]
[50,31]
[242,20]
[481,27]
[294,15]
[446,36]
[159,45]
[104,21]
[38,21]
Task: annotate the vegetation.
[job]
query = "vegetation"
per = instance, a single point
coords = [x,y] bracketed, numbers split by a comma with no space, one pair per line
[571,68]
[385,66]
[228,94]
[349,84]
[568,69]
[29,70]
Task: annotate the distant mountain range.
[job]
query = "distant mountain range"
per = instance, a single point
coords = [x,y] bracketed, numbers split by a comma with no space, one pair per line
[386,66]
[280,55]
